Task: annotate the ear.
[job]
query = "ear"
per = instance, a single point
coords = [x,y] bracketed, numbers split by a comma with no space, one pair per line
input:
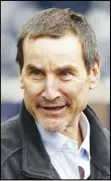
[21,82]
[21,79]
[94,75]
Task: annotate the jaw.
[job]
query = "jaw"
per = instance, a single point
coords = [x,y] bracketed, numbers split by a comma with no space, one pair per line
[54,125]
[53,120]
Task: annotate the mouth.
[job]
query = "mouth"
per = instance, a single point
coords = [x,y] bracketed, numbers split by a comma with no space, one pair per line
[53,110]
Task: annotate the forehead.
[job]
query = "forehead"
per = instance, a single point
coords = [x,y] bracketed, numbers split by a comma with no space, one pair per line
[66,48]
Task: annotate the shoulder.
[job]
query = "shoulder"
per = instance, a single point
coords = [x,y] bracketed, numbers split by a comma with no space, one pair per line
[5,126]
[107,134]
[10,139]
[10,129]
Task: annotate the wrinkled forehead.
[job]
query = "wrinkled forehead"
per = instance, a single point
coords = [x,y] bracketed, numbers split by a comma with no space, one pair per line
[67,44]
[57,50]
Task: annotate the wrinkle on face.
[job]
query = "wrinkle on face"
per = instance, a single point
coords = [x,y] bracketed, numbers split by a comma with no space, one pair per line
[51,54]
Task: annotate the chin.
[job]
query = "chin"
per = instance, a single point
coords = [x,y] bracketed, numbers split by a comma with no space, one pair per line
[54,125]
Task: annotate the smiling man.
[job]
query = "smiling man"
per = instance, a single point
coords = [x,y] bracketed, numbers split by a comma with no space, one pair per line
[56,135]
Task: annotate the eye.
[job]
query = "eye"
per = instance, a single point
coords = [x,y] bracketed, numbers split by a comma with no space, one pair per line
[36,72]
[65,75]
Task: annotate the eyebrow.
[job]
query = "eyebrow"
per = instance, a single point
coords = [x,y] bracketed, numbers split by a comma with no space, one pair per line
[58,69]
[31,67]
[67,67]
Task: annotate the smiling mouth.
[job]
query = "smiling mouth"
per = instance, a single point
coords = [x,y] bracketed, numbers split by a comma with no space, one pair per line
[53,108]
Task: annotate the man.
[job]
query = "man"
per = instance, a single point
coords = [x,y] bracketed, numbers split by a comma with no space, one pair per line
[56,135]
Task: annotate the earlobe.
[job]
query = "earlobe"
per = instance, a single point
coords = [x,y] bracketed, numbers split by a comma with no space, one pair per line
[94,82]
[21,83]
[94,75]
[21,79]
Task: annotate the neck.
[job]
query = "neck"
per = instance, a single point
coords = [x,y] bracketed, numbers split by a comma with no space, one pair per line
[73,131]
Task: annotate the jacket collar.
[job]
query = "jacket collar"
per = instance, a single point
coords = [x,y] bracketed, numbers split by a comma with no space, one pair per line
[99,145]
[34,153]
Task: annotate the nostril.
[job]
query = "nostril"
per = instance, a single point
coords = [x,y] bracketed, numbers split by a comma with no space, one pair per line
[51,95]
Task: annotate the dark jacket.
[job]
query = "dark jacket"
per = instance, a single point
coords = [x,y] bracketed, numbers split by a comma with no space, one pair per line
[24,156]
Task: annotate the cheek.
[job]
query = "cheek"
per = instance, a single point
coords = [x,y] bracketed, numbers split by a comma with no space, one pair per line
[32,89]
[73,89]
[77,92]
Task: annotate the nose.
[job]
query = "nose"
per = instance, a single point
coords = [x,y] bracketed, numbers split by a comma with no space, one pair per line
[51,91]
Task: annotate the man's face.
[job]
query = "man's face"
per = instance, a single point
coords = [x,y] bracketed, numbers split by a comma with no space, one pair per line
[54,80]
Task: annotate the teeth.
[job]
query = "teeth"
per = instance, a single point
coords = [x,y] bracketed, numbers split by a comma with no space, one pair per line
[53,108]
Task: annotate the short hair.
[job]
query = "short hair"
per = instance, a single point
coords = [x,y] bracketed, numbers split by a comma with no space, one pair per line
[56,22]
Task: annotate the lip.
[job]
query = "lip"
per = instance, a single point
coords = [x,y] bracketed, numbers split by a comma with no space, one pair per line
[53,112]
[50,106]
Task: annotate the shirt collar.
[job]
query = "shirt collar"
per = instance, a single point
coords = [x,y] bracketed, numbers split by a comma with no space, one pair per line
[52,140]
[85,129]
[55,141]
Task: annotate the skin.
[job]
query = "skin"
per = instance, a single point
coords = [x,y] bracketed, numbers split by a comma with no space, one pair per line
[61,81]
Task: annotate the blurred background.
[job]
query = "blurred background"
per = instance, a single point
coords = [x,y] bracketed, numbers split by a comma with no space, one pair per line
[15,13]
